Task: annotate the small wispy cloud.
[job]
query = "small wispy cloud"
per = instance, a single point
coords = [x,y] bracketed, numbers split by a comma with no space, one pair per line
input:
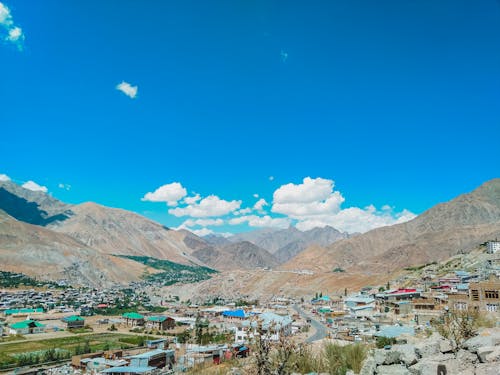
[127,89]
[64,186]
[14,34]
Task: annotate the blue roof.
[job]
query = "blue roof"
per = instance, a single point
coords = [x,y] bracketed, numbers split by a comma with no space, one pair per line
[461,273]
[240,313]
[129,369]
[151,353]
[395,331]
[463,286]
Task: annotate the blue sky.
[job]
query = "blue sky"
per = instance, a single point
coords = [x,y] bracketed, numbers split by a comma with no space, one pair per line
[397,102]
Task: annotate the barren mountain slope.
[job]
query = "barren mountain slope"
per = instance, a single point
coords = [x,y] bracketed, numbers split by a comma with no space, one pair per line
[116,231]
[438,233]
[37,251]
[240,255]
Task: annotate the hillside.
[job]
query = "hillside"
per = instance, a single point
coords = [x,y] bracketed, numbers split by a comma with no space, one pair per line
[33,207]
[116,231]
[442,231]
[40,252]
[284,244]
[240,255]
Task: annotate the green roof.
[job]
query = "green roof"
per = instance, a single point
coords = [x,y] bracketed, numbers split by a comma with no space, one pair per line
[73,318]
[132,315]
[22,311]
[157,318]
[26,324]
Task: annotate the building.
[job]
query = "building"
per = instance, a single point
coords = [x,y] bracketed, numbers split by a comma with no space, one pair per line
[484,295]
[74,321]
[493,247]
[26,327]
[160,323]
[133,319]
[360,306]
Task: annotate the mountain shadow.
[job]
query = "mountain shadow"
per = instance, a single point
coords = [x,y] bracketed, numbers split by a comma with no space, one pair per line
[28,212]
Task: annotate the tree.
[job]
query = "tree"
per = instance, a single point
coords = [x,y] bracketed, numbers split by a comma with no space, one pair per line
[457,326]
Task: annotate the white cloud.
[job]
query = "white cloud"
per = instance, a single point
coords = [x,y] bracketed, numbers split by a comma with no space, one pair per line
[261,221]
[256,195]
[14,34]
[191,200]
[33,186]
[202,232]
[207,207]
[4,177]
[64,186]
[271,178]
[169,193]
[258,206]
[243,211]
[314,203]
[127,89]
[202,222]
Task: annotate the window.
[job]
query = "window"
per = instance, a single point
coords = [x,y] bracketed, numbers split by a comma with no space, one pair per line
[491,294]
[474,294]
[492,307]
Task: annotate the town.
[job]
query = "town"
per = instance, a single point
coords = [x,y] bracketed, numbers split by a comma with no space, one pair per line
[59,328]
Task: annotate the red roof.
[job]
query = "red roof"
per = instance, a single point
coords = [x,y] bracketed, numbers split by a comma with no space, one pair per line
[102,306]
[404,291]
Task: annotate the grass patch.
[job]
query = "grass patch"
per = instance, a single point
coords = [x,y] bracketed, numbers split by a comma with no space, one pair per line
[173,273]
[10,352]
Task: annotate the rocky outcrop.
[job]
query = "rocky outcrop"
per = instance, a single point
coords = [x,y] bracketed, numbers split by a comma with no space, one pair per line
[431,356]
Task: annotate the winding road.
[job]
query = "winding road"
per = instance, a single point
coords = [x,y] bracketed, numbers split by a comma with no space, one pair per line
[320,330]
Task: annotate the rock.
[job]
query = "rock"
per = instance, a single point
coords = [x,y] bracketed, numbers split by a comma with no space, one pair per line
[427,347]
[463,356]
[407,354]
[494,356]
[369,366]
[487,337]
[445,346]
[483,351]
[393,370]
[487,369]
[349,372]
[386,357]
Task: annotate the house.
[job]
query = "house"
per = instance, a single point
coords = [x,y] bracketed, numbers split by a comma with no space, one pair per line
[74,321]
[399,294]
[160,323]
[133,319]
[26,327]
[18,312]
[157,358]
[360,306]
[238,314]
[275,325]
[493,247]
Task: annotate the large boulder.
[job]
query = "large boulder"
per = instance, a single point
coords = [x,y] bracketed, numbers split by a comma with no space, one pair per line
[369,366]
[494,356]
[487,369]
[407,354]
[393,370]
[428,347]
[386,357]
[483,351]
[487,337]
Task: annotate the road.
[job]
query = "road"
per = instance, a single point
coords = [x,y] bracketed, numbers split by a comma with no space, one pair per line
[320,330]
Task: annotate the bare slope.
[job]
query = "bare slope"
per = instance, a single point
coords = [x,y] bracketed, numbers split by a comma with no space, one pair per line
[442,231]
[37,251]
[116,231]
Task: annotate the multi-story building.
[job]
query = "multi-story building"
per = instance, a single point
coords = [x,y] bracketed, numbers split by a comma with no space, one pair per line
[493,247]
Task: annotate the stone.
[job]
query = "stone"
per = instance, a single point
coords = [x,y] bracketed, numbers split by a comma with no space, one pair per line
[464,356]
[393,370]
[487,369]
[369,366]
[483,351]
[487,337]
[407,354]
[494,356]
[379,356]
[349,372]
[427,347]
[445,346]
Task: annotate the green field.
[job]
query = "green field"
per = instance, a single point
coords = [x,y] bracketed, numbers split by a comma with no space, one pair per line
[10,351]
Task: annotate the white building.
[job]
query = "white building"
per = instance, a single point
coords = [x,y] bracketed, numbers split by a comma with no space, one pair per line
[493,247]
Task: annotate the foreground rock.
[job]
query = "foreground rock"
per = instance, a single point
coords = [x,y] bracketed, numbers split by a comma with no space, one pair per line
[434,355]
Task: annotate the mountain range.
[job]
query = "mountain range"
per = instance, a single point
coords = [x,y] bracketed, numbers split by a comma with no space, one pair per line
[44,237]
